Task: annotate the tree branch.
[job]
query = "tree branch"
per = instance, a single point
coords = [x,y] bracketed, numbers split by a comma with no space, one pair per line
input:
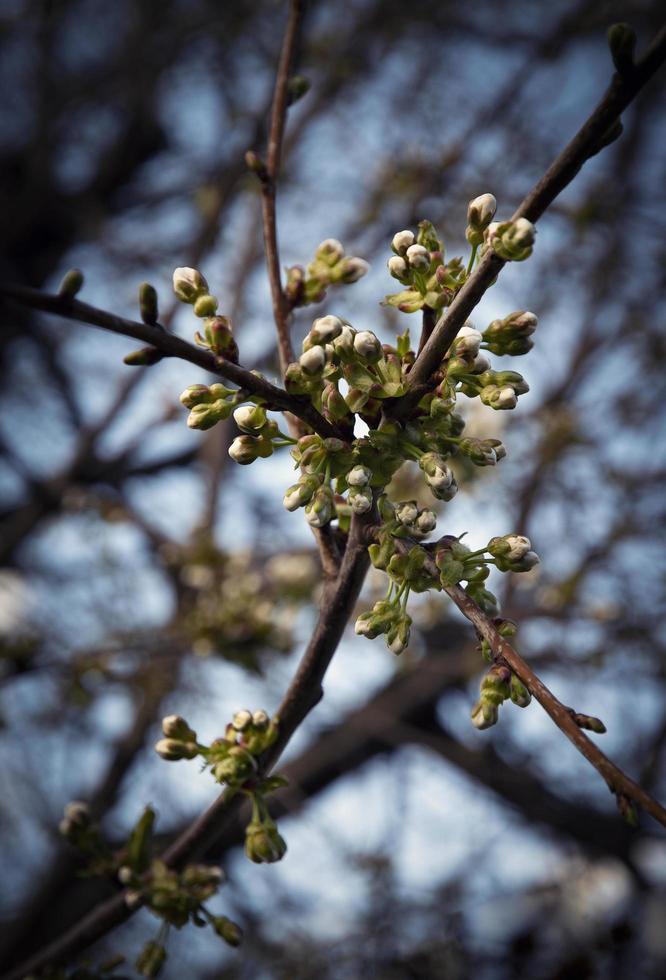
[303,694]
[586,143]
[172,346]
[269,177]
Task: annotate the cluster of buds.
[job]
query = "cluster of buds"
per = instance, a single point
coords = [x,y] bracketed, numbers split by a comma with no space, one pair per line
[418,522]
[511,240]
[329,267]
[260,435]
[438,476]
[233,760]
[512,335]
[388,618]
[418,264]
[191,287]
[499,684]
[513,553]
[174,896]
[209,404]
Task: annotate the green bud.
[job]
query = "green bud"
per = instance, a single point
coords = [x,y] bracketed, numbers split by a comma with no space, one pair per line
[173,750]
[297,87]
[144,357]
[236,768]
[622,44]
[151,959]
[519,693]
[227,929]
[148,303]
[205,306]
[254,163]
[263,843]
[512,240]
[590,723]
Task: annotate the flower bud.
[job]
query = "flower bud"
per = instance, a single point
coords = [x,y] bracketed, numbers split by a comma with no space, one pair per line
[245,449]
[77,814]
[205,306]
[397,267]
[360,499]
[172,750]
[407,512]
[320,510]
[227,929]
[426,522]
[325,329]
[344,343]
[501,399]
[481,211]
[359,476]
[330,251]
[250,418]
[175,727]
[241,720]
[263,843]
[260,719]
[484,715]
[402,241]
[353,269]
[418,257]
[313,361]
[367,346]
[439,476]
[467,342]
[189,284]
[512,240]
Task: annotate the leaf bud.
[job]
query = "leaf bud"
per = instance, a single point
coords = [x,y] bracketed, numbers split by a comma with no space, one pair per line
[622,44]
[519,693]
[227,929]
[144,357]
[71,284]
[148,303]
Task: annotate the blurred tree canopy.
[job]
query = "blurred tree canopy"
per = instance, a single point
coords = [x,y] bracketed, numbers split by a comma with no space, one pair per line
[143,575]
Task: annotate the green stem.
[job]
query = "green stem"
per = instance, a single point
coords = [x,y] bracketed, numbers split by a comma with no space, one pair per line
[471,259]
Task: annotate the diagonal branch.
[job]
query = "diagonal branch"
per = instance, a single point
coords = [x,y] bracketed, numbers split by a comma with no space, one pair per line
[617,781]
[169,345]
[303,694]
[587,141]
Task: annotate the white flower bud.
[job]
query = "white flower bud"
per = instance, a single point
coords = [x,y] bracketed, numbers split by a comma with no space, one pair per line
[426,522]
[523,232]
[402,241]
[359,476]
[354,269]
[397,267]
[77,813]
[360,499]
[407,512]
[519,545]
[243,449]
[189,284]
[132,899]
[481,364]
[260,719]
[505,398]
[313,361]
[481,211]
[367,345]
[250,418]
[241,720]
[362,627]
[345,340]
[467,342]
[326,329]
[330,250]
[125,875]
[418,257]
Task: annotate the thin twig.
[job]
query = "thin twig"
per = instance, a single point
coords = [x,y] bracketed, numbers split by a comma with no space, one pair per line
[281,310]
[172,346]
[617,781]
